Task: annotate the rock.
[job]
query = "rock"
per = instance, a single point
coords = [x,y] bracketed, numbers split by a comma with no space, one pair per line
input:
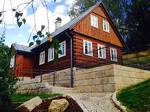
[29,105]
[58,105]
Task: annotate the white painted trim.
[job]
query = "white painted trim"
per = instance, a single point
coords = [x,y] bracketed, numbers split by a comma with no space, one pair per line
[62,55]
[115,54]
[106,23]
[103,48]
[49,55]
[91,47]
[94,21]
[40,56]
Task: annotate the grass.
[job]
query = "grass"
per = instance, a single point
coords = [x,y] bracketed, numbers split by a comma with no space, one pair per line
[25,97]
[136,98]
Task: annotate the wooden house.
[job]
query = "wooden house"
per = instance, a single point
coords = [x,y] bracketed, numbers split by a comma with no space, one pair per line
[89,40]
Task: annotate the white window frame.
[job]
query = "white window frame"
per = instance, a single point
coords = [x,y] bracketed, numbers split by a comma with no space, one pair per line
[113,54]
[106,26]
[42,58]
[102,49]
[62,47]
[89,48]
[94,21]
[12,62]
[50,54]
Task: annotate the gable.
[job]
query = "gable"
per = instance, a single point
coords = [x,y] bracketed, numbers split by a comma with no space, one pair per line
[84,27]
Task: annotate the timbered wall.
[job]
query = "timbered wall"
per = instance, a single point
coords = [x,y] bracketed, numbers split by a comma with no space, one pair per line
[61,63]
[82,60]
[23,65]
[84,27]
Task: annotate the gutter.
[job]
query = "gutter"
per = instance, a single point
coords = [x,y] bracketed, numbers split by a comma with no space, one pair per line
[71,60]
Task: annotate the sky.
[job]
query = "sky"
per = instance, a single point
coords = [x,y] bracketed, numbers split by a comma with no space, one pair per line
[21,35]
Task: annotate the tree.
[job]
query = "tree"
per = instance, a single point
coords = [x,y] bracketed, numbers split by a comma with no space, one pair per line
[138,23]
[7,79]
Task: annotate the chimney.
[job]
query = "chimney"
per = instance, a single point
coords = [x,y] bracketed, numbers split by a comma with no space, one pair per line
[58,23]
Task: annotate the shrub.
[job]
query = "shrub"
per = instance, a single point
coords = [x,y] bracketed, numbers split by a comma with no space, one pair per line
[7,79]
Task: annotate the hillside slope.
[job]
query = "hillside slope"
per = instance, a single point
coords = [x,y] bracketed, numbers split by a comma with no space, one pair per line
[136,98]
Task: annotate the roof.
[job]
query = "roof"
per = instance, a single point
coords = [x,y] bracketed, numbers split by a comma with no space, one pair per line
[23,48]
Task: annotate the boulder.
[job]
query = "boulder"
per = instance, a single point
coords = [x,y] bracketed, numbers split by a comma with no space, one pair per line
[29,105]
[58,105]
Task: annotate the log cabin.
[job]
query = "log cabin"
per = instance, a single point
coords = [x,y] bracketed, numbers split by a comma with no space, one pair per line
[89,40]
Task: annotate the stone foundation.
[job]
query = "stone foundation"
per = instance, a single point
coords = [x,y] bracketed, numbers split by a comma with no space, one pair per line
[32,86]
[108,78]
[58,78]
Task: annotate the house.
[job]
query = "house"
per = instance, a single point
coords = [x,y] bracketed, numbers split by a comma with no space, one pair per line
[89,40]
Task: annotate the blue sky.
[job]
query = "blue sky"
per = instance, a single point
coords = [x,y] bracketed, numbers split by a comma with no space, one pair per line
[21,35]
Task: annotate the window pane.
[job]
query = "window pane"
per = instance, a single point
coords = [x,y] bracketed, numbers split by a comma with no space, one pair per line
[62,49]
[87,48]
[42,58]
[94,21]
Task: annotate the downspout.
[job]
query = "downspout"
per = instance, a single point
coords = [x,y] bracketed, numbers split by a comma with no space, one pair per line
[71,60]
[15,64]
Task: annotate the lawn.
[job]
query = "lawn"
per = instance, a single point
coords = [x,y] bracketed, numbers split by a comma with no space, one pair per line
[25,97]
[136,98]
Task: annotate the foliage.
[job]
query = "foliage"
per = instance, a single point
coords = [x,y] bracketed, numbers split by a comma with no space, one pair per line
[2,38]
[19,18]
[25,97]
[136,98]
[138,24]
[7,79]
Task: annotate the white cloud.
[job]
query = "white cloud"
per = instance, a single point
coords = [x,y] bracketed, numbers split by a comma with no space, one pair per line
[69,2]
[41,17]
[19,35]
[11,26]
[61,9]
[58,1]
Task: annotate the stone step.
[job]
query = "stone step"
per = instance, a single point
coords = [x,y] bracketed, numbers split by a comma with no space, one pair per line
[62,90]
[72,91]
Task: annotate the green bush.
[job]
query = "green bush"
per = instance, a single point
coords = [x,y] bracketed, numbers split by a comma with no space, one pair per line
[7,79]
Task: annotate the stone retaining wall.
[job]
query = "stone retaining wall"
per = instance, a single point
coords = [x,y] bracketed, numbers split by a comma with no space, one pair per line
[58,78]
[108,78]
[32,86]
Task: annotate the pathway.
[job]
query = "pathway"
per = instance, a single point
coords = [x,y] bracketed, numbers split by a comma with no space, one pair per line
[101,103]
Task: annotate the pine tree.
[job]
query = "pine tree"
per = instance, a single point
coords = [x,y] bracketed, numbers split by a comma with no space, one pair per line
[138,22]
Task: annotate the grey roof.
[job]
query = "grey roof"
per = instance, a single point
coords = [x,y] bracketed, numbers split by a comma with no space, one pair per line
[70,24]
[21,48]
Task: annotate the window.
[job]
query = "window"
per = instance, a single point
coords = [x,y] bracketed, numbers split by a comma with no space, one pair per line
[50,54]
[105,26]
[42,58]
[62,49]
[113,54]
[94,21]
[101,51]
[12,62]
[87,48]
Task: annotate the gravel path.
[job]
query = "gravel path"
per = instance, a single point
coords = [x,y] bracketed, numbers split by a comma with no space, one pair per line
[95,104]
